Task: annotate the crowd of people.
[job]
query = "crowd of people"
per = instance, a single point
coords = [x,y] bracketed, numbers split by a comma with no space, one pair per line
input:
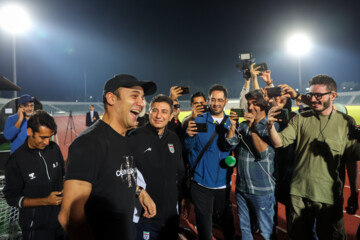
[131,174]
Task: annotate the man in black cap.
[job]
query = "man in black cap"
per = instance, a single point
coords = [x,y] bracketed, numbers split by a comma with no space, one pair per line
[100,183]
[16,125]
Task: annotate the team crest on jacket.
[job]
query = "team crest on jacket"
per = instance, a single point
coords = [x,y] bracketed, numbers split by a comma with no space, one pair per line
[171,147]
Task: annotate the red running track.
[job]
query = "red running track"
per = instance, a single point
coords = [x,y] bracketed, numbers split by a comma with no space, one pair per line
[73,127]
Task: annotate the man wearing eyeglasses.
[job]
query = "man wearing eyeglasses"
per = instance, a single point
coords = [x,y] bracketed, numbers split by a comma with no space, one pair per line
[16,125]
[210,187]
[322,149]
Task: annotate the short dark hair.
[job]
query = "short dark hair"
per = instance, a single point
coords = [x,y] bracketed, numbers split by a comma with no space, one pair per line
[162,98]
[197,94]
[218,87]
[258,96]
[41,118]
[91,105]
[116,93]
[324,79]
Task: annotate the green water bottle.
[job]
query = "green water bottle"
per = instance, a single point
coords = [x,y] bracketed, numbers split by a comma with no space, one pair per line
[230,161]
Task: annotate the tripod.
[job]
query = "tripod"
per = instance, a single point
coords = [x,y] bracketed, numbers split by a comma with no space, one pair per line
[71,126]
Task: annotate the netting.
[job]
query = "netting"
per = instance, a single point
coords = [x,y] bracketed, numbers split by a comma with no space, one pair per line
[9,216]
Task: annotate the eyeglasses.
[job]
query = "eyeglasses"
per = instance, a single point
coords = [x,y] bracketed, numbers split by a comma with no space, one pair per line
[176,105]
[219,100]
[318,96]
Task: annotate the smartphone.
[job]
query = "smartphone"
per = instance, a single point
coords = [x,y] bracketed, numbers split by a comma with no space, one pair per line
[201,127]
[239,111]
[273,92]
[284,115]
[206,108]
[185,89]
[263,66]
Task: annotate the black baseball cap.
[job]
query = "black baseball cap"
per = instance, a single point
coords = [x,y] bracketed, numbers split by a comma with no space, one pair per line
[127,81]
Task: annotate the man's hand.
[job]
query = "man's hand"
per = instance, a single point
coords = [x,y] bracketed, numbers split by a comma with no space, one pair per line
[250,117]
[274,111]
[266,76]
[20,114]
[148,204]
[185,207]
[191,129]
[254,71]
[234,118]
[289,92]
[197,110]
[175,92]
[54,198]
[352,204]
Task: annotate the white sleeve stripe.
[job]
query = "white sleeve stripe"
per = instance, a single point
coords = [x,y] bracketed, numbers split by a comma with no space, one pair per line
[20,201]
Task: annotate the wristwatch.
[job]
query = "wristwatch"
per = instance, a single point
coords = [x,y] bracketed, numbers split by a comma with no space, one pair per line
[138,191]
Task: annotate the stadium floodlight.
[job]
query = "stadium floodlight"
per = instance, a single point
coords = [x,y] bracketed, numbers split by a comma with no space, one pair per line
[15,20]
[299,45]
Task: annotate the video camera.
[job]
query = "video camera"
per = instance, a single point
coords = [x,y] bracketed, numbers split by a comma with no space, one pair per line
[247,59]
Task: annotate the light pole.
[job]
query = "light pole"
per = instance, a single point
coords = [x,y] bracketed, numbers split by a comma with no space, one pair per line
[15,20]
[299,45]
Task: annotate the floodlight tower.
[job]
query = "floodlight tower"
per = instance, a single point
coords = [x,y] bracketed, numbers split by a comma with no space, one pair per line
[14,20]
[299,45]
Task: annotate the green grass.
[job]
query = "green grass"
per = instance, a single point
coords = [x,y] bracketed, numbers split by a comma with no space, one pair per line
[353,111]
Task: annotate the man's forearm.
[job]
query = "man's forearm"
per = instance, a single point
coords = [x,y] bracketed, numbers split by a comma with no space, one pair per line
[259,144]
[275,137]
[35,202]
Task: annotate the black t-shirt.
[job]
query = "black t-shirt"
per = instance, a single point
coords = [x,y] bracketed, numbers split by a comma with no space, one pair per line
[104,158]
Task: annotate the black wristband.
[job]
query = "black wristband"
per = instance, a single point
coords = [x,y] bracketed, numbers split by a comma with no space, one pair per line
[297,95]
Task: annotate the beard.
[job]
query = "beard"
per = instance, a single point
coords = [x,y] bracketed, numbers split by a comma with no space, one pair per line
[325,105]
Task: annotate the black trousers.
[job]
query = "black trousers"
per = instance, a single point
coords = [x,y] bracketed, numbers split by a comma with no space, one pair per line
[212,204]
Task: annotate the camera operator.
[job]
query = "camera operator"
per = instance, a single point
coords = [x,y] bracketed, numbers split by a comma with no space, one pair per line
[210,186]
[198,103]
[255,183]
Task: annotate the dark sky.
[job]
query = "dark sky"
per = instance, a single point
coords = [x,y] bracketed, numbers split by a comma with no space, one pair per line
[169,42]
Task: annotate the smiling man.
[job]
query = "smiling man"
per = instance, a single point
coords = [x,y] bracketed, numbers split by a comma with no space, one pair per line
[34,180]
[255,182]
[101,177]
[15,129]
[210,188]
[158,158]
[323,147]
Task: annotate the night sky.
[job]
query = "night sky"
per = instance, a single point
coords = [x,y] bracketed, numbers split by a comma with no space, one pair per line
[193,43]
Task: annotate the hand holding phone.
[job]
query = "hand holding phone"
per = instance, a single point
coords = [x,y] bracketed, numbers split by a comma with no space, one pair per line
[185,89]
[201,127]
[238,111]
[273,92]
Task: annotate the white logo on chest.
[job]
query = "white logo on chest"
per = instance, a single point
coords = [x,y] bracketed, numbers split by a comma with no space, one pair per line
[32,176]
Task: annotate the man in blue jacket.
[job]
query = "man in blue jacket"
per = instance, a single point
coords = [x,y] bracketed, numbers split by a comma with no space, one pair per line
[16,125]
[210,188]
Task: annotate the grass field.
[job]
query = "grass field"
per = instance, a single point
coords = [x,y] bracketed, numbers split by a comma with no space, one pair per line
[353,111]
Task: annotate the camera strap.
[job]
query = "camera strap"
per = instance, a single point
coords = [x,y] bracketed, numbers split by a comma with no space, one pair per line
[192,170]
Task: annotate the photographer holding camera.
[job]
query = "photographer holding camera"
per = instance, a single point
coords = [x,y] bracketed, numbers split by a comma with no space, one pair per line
[323,147]
[210,186]
[255,182]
